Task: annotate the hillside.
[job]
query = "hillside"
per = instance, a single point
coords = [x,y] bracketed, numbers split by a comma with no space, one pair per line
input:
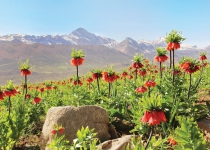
[50,54]
[51,62]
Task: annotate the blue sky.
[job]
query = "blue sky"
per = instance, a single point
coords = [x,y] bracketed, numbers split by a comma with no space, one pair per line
[116,19]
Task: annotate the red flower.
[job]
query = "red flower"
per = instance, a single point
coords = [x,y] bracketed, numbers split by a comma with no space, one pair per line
[37,100]
[124,74]
[117,77]
[25,72]
[8,93]
[14,92]
[146,61]
[129,68]
[53,131]
[172,141]
[77,83]
[97,75]
[143,72]
[154,66]
[169,46]
[130,77]
[137,65]
[150,83]
[176,72]
[54,87]
[1,95]
[48,87]
[77,61]
[153,117]
[41,90]
[141,89]
[173,46]
[162,58]
[146,117]
[28,96]
[203,57]
[204,64]
[61,130]
[89,80]
[109,77]
[161,115]
[189,67]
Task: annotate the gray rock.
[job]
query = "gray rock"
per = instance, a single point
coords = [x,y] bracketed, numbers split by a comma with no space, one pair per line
[73,118]
[117,144]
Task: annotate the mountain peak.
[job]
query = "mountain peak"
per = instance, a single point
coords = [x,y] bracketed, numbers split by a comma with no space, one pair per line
[81,31]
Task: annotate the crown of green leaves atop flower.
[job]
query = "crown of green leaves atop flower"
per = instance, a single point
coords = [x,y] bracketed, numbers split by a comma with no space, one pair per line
[96,71]
[203,54]
[124,70]
[89,75]
[153,102]
[0,89]
[176,67]
[110,70]
[75,78]
[56,126]
[9,86]
[77,53]
[161,51]
[24,65]
[189,59]
[138,58]
[48,83]
[174,36]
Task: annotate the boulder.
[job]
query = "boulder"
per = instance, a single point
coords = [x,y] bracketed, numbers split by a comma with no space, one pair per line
[73,118]
[117,144]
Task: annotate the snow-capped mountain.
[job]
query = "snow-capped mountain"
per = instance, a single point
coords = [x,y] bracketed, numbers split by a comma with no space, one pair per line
[77,37]
[128,45]
[82,37]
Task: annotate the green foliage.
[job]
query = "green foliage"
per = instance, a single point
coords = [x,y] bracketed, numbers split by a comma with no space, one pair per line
[155,144]
[174,36]
[188,135]
[123,106]
[77,53]
[9,86]
[59,143]
[153,102]
[12,126]
[85,138]
[161,51]
[24,65]
[85,141]
[138,58]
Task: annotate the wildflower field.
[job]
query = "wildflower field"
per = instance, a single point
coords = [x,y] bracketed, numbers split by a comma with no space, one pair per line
[158,101]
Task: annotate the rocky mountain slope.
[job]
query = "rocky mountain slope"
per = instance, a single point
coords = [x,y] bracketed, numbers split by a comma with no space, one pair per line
[50,54]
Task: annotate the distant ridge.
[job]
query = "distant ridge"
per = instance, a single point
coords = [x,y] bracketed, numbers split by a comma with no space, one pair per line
[50,54]
[81,36]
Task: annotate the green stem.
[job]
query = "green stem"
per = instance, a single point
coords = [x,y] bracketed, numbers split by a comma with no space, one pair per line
[135,75]
[151,132]
[77,75]
[149,91]
[89,85]
[170,59]
[190,82]
[25,86]
[10,104]
[173,69]
[98,84]
[109,89]
[160,70]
